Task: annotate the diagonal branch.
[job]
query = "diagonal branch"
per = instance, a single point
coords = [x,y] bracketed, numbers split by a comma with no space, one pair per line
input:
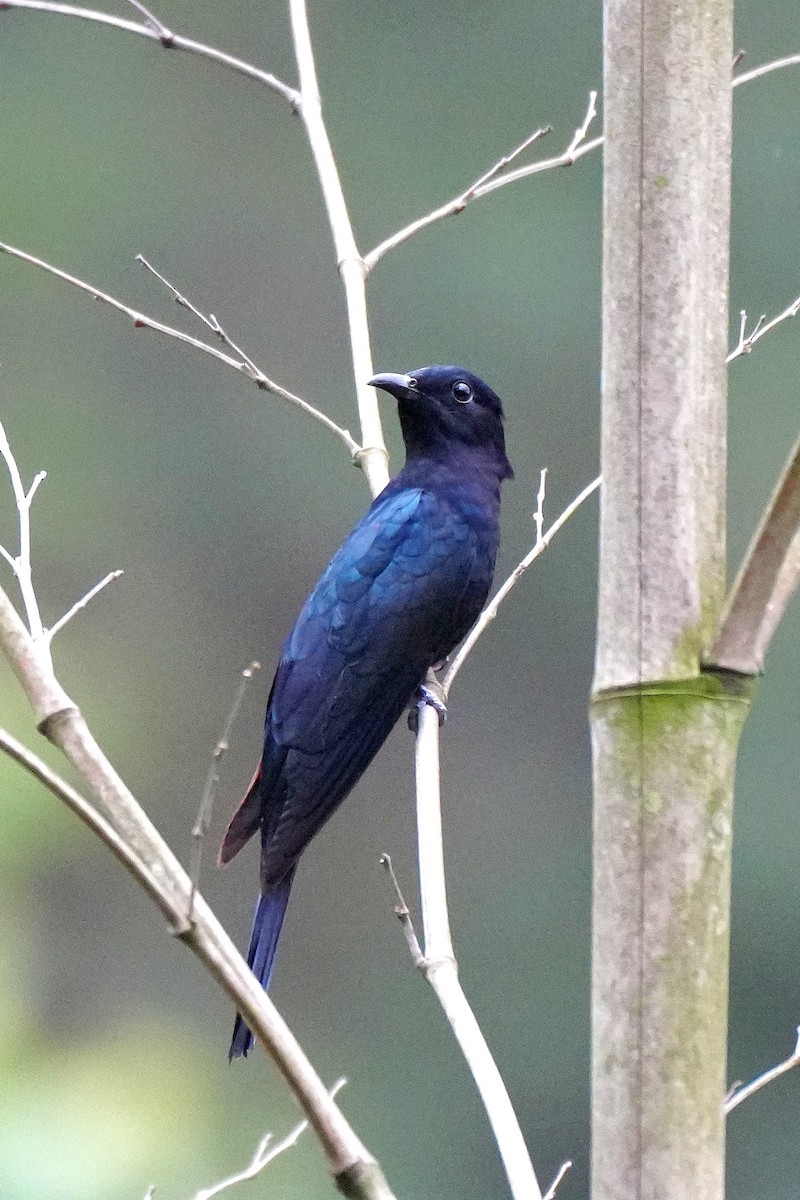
[454,206]
[489,613]
[768,577]
[741,1093]
[79,605]
[142,321]
[494,179]
[149,858]
[156,31]
[264,1155]
[761,328]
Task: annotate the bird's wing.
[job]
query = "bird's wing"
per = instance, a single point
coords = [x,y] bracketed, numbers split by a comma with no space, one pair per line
[389,605]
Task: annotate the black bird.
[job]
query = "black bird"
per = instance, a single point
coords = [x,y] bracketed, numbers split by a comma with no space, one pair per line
[397,597]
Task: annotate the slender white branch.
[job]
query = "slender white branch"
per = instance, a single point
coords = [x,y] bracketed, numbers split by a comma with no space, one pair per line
[22,563]
[156,31]
[493,179]
[32,490]
[454,206]
[791,60]
[164,34]
[761,328]
[490,611]
[440,969]
[352,269]
[79,604]
[142,321]
[210,321]
[263,1156]
[740,1094]
[538,516]
[560,1173]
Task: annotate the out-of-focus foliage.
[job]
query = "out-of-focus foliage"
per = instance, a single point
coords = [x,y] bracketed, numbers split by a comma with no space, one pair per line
[222,506]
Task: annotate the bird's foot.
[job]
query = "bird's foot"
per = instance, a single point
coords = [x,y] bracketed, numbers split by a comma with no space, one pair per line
[427,693]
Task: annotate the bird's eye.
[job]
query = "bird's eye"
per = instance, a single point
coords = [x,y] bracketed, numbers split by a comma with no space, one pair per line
[413,383]
[462,392]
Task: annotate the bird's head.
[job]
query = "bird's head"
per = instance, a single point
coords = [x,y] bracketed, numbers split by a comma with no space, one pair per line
[444,410]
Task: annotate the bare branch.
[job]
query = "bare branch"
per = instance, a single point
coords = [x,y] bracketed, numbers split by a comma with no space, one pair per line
[490,612]
[148,857]
[765,583]
[454,206]
[739,1094]
[538,516]
[792,60]
[490,181]
[164,34]
[760,329]
[142,321]
[263,1156]
[212,779]
[157,32]
[21,565]
[403,915]
[577,148]
[209,321]
[560,1173]
[84,600]
[441,971]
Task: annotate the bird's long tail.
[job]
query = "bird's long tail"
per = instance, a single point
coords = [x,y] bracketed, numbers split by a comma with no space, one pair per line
[267,923]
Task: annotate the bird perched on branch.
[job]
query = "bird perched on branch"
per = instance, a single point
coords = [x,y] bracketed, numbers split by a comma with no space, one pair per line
[396,598]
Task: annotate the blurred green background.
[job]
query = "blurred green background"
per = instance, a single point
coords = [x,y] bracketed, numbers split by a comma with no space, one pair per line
[222,506]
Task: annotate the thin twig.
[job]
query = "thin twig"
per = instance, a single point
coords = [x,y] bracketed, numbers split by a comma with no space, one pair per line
[740,1094]
[203,820]
[493,180]
[164,34]
[766,581]
[81,604]
[373,457]
[490,611]
[760,329]
[454,206]
[263,1155]
[141,320]
[560,1173]
[792,60]
[21,563]
[153,31]
[209,321]
[403,915]
[538,516]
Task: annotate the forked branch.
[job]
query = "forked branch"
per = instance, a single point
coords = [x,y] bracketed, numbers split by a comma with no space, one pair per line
[743,1092]
[243,364]
[128,832]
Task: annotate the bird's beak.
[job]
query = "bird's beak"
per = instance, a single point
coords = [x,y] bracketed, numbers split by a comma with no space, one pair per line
[397,385]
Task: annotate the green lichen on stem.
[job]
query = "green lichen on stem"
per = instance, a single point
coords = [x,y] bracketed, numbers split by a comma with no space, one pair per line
[665,758]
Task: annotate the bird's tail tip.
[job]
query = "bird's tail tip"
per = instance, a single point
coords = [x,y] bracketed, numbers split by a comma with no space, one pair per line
[267,925]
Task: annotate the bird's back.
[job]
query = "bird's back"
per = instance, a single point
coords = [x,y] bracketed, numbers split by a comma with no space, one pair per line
[400,593]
